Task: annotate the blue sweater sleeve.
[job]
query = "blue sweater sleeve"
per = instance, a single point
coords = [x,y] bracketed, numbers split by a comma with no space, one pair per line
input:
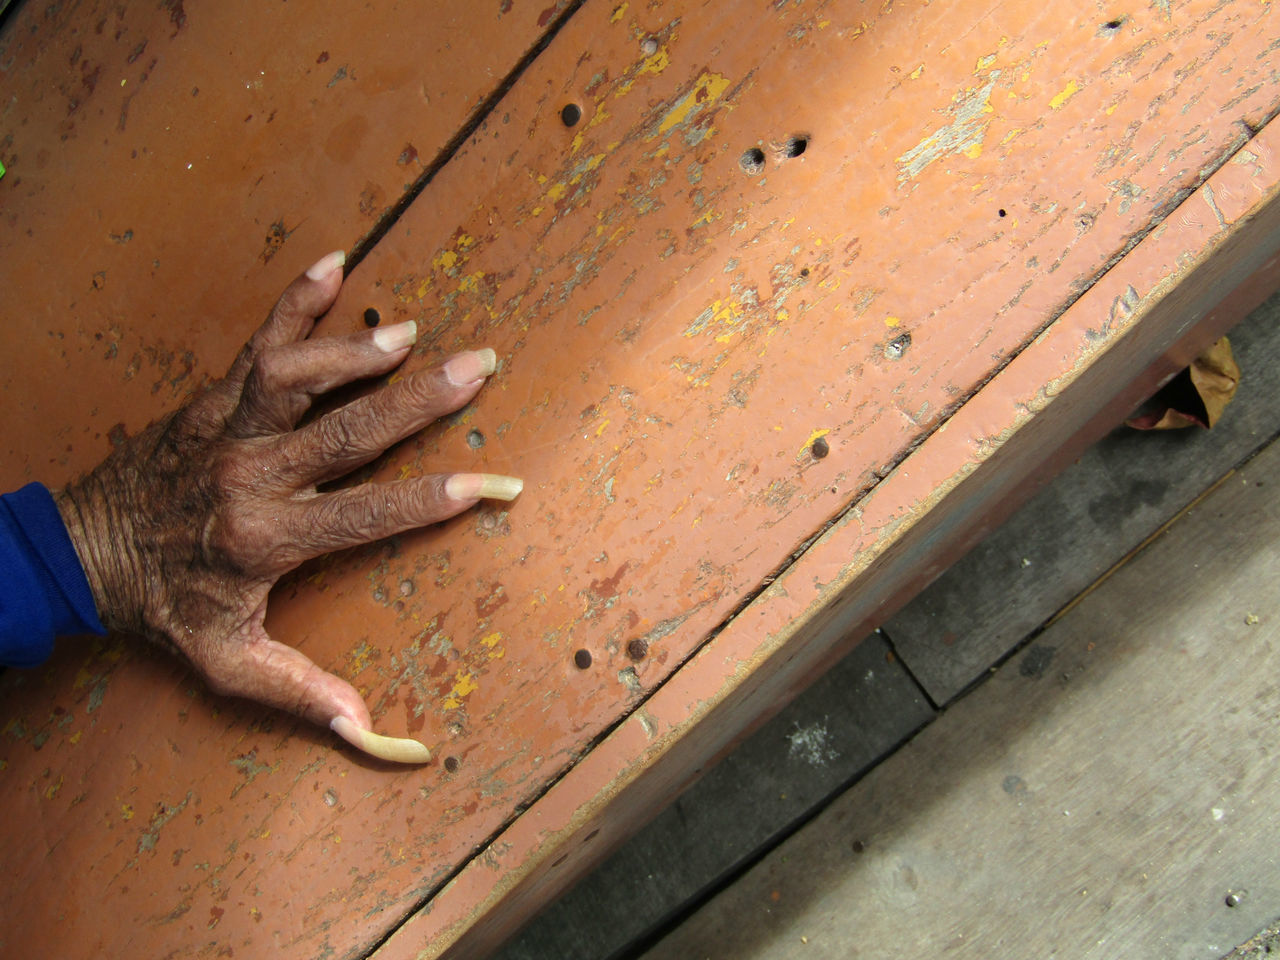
[43,590]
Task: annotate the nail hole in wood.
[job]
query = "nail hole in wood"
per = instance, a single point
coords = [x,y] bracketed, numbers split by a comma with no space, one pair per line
[371,317]
[637,649]
[571,114]
[796,145]
[820,448]
[451,764]
[804,272]
[1113,24]
[1003,212]
[475,439]
[582,659]
[752,161]
[896,347]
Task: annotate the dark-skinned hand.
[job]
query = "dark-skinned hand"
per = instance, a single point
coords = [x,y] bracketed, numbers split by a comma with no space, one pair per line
[185,527]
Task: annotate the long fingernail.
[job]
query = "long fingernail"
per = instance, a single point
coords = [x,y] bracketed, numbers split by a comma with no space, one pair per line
[397,749]
[395,337]
[326,265]
[488,486]
[466,368]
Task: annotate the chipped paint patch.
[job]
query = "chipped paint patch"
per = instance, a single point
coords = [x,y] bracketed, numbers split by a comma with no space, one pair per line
[971,110]
[707,89]
[1067,92]
[465,684]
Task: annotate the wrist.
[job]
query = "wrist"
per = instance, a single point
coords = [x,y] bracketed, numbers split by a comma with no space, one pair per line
[105,547]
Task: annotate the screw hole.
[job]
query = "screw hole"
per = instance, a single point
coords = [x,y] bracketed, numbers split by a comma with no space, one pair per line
[896,347]
[475,439]
[371,317]
[582,659]
[451,764]
[804,272]
[1002,212]
[820,448]
[796,145]
[637,649]
[571,114]
[1113,25]
[752,161]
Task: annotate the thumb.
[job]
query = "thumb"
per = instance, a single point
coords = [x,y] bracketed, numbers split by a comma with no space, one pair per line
[280,676]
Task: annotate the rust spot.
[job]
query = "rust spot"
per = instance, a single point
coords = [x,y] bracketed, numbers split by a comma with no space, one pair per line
[324,57]
[215,914]
[407,155]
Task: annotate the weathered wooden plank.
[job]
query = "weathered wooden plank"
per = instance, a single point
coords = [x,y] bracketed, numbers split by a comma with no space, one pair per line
[654,303]
[873,556]
[1139,478]
[1098,798]
[172,166]
[1110,500]
[851,718]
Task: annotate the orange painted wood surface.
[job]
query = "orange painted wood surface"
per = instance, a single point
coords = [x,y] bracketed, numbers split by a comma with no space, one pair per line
[994,206]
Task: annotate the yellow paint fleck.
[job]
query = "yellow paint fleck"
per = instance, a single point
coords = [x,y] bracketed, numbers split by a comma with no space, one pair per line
[542,178]
[445,260]
[1069,91]
[917,73]
[600,429]
[405,470]
[577,142]
[1012,134]
[4,764]
[536,211]
[465,685]
[823,24]
[619,13]
[892,321]
[984,62]
[806,450]
[556,192]
[724,338]
[1112,109]
[706,90]
[126,811]
[974,151]
[75,737]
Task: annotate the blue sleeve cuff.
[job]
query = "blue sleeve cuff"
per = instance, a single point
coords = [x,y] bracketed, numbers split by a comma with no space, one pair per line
[44,593]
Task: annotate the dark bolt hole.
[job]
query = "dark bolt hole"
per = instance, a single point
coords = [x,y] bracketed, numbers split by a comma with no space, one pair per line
[475,439]
[1002,212]
[752,161]
[820,448]
[371,317]
[637,649]
[796,146]
[804,272]
[897,346]
[451,764]
[1114,24]
[859,846]
[571,114]
[582,659]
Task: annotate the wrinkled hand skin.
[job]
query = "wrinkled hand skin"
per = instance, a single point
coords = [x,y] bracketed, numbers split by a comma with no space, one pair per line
[184,529]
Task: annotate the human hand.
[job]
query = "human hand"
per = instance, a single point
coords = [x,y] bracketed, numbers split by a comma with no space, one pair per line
[184,528]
